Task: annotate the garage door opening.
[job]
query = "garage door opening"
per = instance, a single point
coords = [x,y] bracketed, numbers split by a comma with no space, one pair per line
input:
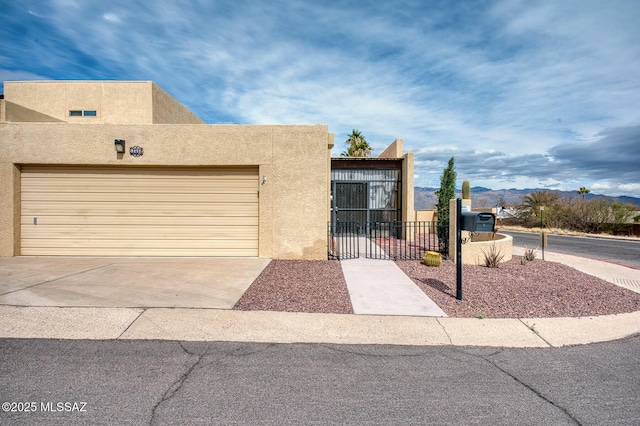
[141,211]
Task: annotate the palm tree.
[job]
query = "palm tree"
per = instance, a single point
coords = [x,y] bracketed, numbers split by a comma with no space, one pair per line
[358,145]
[533,201]
[583,191]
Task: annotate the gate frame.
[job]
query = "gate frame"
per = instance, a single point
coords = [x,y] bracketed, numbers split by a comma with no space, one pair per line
[344,240]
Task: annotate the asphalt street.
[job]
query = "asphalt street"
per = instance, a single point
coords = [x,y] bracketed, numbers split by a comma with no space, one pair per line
[622,251]
[162,382]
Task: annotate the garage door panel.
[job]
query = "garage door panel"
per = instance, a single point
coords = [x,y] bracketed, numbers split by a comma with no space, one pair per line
[142,251]
[149,209]
[129,244]
[137,198]
[140,232]
[147,220]
[139,211]
[192,186]
[140,172]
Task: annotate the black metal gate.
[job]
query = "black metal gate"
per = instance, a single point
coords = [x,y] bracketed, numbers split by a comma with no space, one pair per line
[395,240]
[351,202]
[365,196]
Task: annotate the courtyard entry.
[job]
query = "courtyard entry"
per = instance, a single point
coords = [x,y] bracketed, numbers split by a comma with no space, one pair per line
[366,213]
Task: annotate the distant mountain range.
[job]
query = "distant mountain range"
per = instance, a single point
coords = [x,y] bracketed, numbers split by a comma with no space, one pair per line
[425,198]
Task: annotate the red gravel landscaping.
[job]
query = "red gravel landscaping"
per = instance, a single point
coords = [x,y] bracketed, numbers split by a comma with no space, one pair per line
[536,289]
[298,286]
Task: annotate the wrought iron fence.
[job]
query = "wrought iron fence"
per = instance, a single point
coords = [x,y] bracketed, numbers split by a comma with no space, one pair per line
[395,240]
[342,240]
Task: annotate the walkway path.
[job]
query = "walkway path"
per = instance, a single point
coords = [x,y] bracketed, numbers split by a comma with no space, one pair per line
[379,287]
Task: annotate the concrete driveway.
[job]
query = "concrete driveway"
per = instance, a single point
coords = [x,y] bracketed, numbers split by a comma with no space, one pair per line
[127,282]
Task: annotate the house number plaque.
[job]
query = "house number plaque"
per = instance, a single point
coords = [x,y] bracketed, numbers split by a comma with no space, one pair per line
[136,151]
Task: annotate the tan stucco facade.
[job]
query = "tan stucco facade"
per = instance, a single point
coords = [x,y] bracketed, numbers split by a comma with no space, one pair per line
[115,102]
[395,150]
[294,160]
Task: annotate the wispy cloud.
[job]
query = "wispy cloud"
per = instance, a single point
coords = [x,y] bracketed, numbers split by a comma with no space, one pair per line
[522,93]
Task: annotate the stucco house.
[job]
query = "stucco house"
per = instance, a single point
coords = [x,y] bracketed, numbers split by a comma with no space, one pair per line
[118,168]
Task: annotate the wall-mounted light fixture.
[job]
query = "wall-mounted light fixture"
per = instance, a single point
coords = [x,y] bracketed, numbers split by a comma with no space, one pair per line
[119,144]
[264,179]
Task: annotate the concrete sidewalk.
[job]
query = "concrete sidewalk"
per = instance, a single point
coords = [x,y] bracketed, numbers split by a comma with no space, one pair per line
[379,287]
[288,327]
[224,324]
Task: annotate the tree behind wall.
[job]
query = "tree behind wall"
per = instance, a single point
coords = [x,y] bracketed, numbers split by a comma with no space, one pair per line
[358,145]
[446,192]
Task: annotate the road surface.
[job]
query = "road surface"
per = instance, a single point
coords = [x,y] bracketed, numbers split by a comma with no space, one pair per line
[76,382]
[623,251]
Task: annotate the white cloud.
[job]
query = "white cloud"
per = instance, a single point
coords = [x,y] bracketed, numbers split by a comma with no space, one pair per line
[112,17]
[504,86]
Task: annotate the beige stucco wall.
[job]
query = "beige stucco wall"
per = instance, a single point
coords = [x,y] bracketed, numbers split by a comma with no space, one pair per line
[473,252]
[425,215]
[9,209]
[166,110]
[394,150]
[116,102]
[408,209]
[330,144]
[292,203]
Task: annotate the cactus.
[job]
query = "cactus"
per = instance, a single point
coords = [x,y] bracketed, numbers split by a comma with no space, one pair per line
[432,258]
[466,190]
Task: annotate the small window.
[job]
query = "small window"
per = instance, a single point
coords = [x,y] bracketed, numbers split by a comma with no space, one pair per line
[83,113]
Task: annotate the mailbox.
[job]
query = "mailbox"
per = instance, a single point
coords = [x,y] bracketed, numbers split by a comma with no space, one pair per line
[478,222]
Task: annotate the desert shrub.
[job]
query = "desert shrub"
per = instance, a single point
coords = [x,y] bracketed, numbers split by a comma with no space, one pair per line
[575,214]
[529,254]
[493,257]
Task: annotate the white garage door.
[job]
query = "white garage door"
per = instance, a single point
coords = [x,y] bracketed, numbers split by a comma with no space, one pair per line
[118,211]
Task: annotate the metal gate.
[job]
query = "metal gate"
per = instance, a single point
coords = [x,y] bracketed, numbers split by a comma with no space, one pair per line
[395,240]
[365,196]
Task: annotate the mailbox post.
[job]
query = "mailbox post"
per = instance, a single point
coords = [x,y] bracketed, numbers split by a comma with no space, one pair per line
[473,222]
[459,249]
[542,236]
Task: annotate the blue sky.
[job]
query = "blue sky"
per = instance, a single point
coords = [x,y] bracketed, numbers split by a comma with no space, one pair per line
[524,94]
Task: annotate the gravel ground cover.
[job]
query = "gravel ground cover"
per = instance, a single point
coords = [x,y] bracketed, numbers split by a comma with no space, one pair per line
[315,286]
[536,289]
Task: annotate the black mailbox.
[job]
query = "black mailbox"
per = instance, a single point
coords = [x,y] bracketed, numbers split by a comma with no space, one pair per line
[478,222]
